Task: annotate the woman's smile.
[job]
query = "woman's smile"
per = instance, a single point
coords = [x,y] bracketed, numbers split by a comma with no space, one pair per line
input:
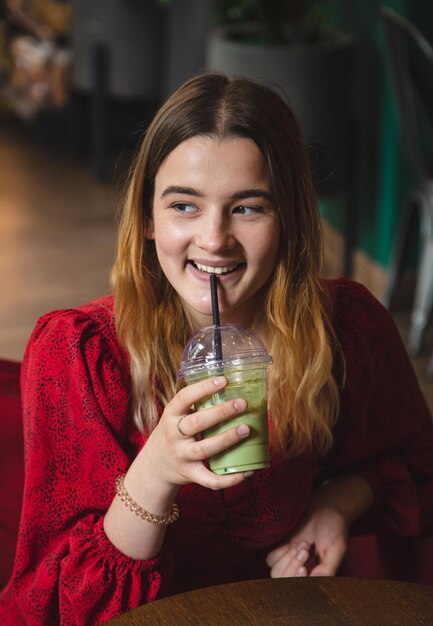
[215,269]
[214,213]
[225,272]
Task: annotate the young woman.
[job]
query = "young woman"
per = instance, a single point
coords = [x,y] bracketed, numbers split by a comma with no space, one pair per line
[221,185]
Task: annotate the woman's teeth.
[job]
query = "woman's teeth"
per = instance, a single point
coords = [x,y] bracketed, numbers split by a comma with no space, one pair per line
[216,270]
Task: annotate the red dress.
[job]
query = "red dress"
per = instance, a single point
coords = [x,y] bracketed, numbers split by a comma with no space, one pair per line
[79,436]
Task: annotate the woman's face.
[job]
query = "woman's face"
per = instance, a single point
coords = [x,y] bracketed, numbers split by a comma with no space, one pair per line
[213,213]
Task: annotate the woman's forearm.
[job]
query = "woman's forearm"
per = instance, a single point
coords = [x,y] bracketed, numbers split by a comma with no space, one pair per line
[129,533]
[350,494]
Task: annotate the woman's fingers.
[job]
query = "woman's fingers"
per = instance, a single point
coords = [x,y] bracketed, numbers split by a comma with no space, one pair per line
[182,426]
[288,562]
[204,477]
[322,570]
[195,423]
[234,428]
[206,448]
[190,424]
[189,395]
[330,559]
[279,552]
[274,556]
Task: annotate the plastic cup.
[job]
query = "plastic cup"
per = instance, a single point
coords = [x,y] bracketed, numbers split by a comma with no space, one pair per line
[242,358]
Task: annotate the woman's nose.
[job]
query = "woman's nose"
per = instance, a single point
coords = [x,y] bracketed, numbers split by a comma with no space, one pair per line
[216,234]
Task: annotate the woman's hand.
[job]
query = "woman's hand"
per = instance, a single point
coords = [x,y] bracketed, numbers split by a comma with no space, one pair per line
[316,548]
[319,543]
[174,457]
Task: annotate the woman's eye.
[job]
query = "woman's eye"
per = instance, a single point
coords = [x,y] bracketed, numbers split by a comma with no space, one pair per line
[183,207]
[247,210]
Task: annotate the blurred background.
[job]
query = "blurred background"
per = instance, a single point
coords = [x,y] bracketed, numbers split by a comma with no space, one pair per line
[80,80]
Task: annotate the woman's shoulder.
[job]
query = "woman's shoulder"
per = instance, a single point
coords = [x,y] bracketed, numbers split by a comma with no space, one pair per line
[90,325]
[364,328]
[355,308]
[345,289]
[97,314]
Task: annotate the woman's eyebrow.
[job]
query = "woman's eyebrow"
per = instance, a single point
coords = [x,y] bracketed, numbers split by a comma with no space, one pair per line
[189,191]
[238,195]
[252,193]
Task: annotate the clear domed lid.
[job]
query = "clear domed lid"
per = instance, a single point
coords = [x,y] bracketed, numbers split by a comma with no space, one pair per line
[215,347]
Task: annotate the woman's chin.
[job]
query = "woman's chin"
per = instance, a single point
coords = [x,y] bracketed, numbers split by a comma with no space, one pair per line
[199,313]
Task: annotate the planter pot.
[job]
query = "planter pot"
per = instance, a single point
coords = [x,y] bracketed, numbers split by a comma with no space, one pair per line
[315,79]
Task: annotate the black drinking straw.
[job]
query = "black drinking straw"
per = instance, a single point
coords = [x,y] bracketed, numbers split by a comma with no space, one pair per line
[216,317]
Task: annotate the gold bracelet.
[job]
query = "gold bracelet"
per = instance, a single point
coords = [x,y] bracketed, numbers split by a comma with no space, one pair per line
[167,518]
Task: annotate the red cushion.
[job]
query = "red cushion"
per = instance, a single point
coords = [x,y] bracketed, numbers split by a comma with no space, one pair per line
[390,556]
[11,464]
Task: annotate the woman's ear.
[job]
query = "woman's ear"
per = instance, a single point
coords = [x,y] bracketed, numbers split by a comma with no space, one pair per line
[149,231]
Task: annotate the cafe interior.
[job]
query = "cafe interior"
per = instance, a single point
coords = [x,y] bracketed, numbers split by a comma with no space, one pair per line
[79,82]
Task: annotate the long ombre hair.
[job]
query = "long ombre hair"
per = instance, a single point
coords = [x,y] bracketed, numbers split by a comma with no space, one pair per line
[296,308]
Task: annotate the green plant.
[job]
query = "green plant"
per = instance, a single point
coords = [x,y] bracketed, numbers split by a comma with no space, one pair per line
[310,20]
[267,13]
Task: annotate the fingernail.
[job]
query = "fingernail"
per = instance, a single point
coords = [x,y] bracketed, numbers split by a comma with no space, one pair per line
[218,381]
[242,430]
[248,474]
[301,572]
[240,404]
[302,555]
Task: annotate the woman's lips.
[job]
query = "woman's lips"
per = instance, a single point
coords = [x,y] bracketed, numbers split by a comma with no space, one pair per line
[212,269]
[224,272]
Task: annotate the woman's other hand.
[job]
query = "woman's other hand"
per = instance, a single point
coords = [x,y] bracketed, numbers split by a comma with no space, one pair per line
[316,548]
[318,545]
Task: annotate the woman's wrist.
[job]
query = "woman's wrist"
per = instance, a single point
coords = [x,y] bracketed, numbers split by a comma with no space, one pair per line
[137,518]
[150,492]
[349,494]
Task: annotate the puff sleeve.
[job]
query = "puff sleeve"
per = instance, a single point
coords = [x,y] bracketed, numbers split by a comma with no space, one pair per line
[78,437]
[385,432]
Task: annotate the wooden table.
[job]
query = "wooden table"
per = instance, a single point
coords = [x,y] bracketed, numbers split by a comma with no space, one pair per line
[323,601]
